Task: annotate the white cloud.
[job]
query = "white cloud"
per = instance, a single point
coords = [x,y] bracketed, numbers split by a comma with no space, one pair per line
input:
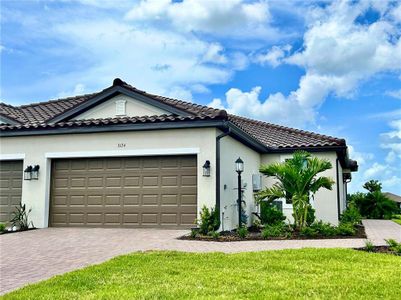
[214,54]
[79,89]
[225,17]
[361,157]
[273,56]
[337,54]
[394,93]
[392,139]
[374,171]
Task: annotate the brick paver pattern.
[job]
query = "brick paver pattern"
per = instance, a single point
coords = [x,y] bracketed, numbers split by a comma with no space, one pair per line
[32,256]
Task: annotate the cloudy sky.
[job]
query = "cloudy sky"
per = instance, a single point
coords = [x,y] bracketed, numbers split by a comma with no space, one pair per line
[331,67]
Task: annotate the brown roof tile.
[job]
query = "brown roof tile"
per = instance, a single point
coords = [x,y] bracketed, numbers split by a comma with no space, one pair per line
[37,116]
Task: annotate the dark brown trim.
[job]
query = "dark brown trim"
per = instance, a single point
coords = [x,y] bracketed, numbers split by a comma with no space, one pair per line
[338,190]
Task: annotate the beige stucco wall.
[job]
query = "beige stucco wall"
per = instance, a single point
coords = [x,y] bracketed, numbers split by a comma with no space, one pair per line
[325,201]
[40,149]
[231,149]
[133,108]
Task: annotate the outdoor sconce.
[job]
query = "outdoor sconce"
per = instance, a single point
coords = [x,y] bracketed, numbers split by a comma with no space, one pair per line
[35,172]
[31,172]
[206,169]
[28,173]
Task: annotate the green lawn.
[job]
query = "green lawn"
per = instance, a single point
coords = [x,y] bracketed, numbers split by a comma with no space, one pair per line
[397,219]
[288,274]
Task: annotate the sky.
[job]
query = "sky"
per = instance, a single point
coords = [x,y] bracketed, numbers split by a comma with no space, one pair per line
[332,67]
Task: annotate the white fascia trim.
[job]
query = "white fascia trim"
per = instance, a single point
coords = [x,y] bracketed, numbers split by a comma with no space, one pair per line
[13,156]
[116,153]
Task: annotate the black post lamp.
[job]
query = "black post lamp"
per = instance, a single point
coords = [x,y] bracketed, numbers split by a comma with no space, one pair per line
[239,167]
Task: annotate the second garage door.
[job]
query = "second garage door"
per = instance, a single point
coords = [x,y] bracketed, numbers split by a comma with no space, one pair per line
[124,192]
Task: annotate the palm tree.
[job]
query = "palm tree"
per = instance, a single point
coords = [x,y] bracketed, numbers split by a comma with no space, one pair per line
[297,181]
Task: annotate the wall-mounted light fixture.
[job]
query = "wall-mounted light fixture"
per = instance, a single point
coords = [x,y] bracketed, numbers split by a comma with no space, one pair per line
[28,173]
[206,169]
[35,172]
[31,172]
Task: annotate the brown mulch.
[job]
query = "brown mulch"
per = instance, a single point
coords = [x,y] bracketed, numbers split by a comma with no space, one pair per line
[379,249]
[255,235]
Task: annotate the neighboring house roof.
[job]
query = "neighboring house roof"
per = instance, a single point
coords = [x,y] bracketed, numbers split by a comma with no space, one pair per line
[60,114]
[393,197]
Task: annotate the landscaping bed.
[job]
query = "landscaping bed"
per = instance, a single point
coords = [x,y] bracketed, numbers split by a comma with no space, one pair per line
[379,249]
[255,234]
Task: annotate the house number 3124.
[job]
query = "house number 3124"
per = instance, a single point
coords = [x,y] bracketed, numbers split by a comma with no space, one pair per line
[121,145]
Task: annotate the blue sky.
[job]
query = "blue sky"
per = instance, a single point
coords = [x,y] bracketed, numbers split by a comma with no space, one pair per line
[328,66]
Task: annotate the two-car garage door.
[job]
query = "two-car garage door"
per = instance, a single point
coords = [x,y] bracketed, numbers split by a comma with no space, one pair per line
[124,192]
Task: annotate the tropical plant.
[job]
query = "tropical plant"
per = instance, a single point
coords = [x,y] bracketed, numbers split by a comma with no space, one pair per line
[297,181]
[394,246]
[2,227]
[209,220]
[21,217]
[346,229]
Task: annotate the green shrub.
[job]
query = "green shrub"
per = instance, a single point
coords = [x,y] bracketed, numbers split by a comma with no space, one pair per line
[394,246]
[209,220]
[309,232]
[351,215]
[369,246]
[275,230]
[21,217]
[214,234]
[270,214]
[2,227]
[194,232]
[324,229]
[346,229]
[310,217]
[242,232]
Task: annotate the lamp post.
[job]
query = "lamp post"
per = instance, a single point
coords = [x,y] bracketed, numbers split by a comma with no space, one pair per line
[239,167]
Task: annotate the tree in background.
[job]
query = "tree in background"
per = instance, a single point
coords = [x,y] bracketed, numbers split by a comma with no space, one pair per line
[373,204]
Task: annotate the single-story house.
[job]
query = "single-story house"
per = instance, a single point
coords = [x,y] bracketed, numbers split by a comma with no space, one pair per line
[393,197]
[123,157]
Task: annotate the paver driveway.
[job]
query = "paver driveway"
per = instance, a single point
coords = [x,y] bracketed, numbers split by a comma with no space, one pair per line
[35,255]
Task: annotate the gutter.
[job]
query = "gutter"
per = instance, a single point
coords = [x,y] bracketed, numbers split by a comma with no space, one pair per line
[338,191]
[218,138]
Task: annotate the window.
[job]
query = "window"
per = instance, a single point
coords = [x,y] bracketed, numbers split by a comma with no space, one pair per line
[120,107]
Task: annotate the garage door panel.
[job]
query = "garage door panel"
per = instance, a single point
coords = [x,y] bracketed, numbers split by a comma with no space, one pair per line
[11,173]
[124,192]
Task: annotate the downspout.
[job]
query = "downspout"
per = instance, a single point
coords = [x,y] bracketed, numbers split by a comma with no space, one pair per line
[338,191]
[218,138]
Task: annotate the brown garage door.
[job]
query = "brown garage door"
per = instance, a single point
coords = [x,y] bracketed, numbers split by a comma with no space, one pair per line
[10,188]
[124,192]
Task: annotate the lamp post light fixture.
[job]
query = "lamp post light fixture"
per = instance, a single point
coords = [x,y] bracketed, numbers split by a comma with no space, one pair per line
[35,172]
[28,173]
[239,168]
[206,169]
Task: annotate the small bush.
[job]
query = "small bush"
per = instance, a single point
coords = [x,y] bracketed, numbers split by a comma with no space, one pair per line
[346,229]
[369,246]
[209,220]
[309,232]
[2,227]
[275,230]
[214,234]
[21,217]
[194,233]
[394,246]
[351,215]
[270,214]
[325,229]
[242,232]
